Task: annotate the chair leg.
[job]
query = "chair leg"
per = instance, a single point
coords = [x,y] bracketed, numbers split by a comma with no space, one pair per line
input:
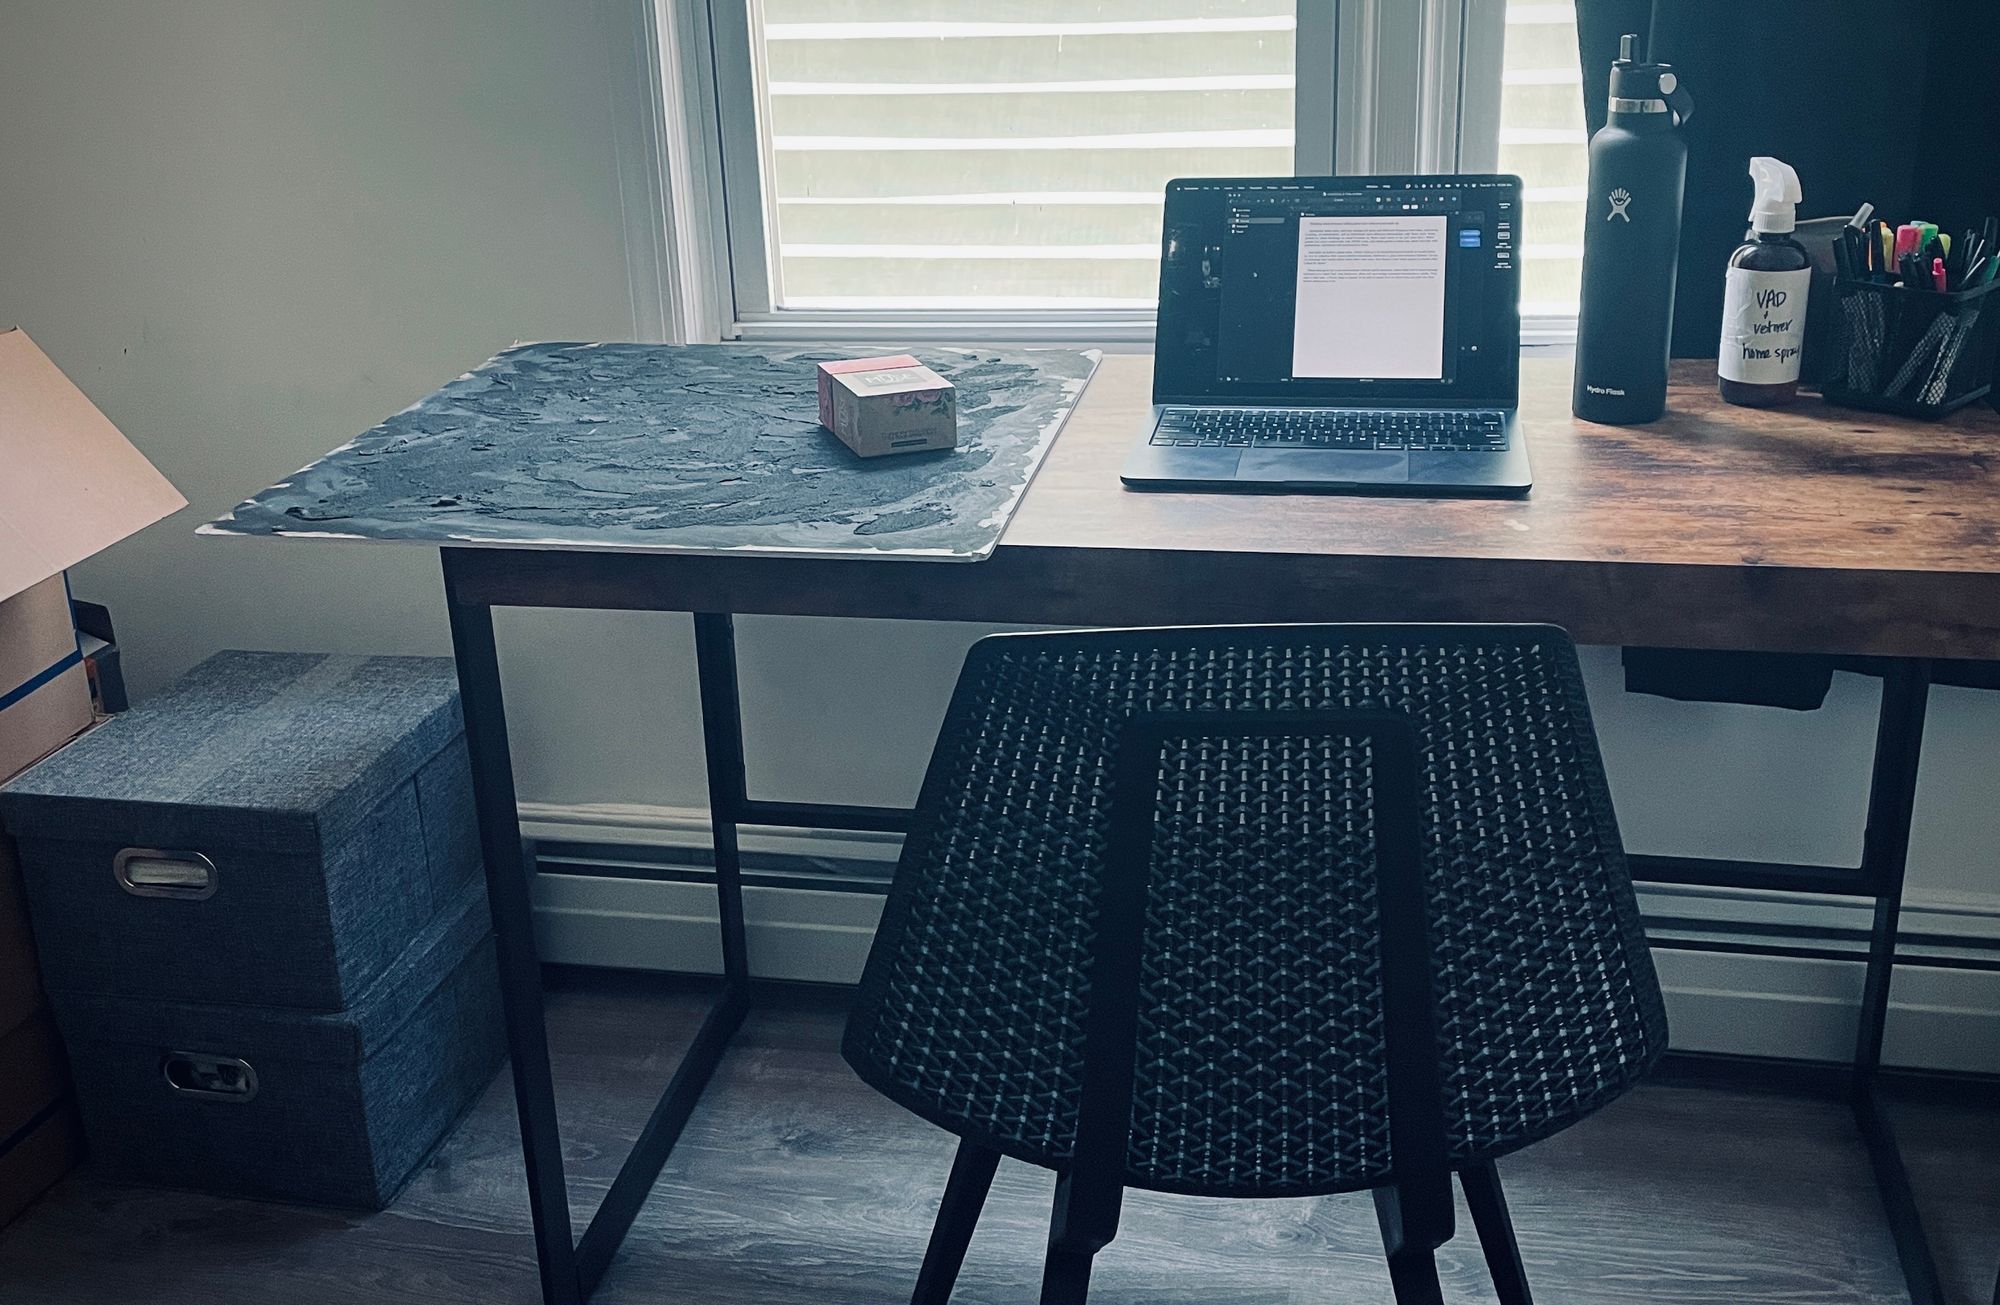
[1066,1277]
[1084,1222]
[958,1214]
[1412,1262]
[1414,1275]
[1496,1233]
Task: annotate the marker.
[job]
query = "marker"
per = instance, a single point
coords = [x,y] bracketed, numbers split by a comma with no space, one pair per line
[1937,275]
[1909,239]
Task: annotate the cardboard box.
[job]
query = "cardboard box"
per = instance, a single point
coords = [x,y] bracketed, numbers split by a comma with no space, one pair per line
[46,701]
[887,405]
[72,486]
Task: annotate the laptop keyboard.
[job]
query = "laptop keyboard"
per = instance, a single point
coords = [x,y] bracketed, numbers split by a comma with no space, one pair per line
[1460,430]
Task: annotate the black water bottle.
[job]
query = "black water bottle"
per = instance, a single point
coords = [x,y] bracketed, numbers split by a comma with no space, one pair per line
[1631,244]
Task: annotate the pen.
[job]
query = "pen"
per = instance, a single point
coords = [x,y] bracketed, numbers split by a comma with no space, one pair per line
[1959,257]
[1937,275]
[1848,250]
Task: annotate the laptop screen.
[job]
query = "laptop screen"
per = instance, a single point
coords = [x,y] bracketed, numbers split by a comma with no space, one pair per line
[1340,290]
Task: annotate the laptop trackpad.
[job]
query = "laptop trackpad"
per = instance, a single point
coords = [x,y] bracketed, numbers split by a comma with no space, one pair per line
[1303,466]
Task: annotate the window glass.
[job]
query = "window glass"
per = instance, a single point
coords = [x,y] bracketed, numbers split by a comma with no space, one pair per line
[1542,139]
[934,154]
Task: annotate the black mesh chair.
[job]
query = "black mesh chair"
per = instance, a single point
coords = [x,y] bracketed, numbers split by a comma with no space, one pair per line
[1254,912]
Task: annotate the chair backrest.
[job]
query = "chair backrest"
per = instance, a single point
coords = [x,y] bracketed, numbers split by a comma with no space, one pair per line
[1261,1064]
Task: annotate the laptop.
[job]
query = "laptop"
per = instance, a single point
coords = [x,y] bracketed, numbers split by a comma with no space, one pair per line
[1338,334]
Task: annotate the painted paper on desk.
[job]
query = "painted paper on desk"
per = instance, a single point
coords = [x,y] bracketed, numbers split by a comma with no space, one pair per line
[679,448]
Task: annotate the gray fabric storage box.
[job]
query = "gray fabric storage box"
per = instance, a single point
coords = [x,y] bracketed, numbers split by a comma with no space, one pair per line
[331,795]
[329,1108]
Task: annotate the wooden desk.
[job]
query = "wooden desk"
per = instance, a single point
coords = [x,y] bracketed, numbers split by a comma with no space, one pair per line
[1809,529]
[1804,529]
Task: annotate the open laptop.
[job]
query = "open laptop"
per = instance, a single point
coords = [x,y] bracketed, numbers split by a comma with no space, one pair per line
[1343,334]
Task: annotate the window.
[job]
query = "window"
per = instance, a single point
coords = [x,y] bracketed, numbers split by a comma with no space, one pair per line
[901,165]
[1012,163]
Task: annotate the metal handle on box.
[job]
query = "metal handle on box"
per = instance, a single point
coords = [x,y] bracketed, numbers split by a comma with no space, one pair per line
[152,872]
[211,1078]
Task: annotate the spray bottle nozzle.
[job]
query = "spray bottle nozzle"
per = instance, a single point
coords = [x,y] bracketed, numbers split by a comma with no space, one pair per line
[1778,194]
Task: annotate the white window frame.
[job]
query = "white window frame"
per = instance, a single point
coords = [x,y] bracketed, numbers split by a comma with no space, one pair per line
[1383,86]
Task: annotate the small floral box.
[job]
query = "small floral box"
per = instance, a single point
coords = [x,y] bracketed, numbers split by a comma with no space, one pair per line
[887,405]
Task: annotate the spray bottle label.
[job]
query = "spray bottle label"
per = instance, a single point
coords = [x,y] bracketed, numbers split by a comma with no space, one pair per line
[1763,325]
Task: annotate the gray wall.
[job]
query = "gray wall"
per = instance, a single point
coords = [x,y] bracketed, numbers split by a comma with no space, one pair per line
[250,229]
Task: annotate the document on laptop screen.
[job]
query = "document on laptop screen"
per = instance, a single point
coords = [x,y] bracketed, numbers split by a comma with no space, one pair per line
[1370,297]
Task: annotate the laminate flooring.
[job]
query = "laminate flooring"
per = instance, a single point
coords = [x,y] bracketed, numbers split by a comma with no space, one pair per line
[795,1183]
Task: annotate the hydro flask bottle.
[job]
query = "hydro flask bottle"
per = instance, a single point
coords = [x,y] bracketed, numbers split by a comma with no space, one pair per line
[1631,244]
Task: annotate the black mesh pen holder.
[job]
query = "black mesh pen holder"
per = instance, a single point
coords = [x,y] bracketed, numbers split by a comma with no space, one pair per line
[1914,352]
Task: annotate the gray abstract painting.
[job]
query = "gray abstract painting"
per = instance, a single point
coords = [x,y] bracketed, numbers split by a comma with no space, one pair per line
[699,448]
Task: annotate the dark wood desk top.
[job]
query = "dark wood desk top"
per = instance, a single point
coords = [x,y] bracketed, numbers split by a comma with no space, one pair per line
[1809,528]
[1711,484]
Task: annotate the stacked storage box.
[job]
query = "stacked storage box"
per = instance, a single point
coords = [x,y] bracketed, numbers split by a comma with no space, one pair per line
[263,925]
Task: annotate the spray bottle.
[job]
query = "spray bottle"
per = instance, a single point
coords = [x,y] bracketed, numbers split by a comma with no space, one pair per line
[1764,300]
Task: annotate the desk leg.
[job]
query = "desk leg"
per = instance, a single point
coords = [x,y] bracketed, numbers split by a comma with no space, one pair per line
[1884,855]
[722,737]
[728,788]
[509,896]
[570,1271]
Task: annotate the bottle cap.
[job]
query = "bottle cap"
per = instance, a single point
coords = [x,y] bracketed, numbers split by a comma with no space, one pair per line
[1775,208]
[1641,88]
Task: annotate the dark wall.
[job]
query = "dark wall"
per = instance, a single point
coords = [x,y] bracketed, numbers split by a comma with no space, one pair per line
[1904,121]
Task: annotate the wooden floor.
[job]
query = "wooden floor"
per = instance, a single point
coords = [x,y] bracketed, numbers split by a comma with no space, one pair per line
[796,1183]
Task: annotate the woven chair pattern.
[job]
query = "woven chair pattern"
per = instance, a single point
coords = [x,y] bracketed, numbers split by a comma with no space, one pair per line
[1261,1068]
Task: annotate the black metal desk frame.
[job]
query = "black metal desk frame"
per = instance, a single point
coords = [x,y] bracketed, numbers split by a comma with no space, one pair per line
[572,1268]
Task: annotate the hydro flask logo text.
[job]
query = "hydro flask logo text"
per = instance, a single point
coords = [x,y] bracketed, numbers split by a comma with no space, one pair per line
[1621,199]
